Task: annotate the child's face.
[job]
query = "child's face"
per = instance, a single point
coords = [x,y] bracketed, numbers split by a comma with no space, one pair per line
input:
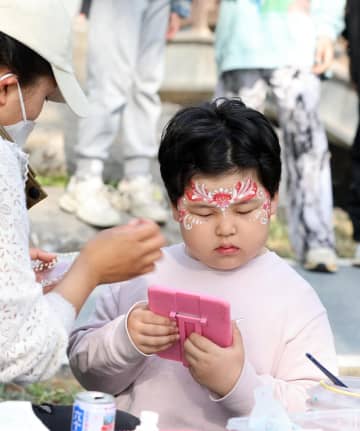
[225,219]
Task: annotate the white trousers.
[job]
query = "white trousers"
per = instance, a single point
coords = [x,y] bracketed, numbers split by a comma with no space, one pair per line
[126,50]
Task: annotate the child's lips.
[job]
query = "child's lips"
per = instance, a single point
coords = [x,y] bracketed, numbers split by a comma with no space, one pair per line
[227,249]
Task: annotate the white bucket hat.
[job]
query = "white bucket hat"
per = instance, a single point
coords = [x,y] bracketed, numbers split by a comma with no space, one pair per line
[45,27]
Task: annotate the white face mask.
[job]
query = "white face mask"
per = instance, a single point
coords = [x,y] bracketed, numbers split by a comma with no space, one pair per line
[21,130]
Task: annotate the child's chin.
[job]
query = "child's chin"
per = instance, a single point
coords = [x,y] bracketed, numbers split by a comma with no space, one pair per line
[226,264]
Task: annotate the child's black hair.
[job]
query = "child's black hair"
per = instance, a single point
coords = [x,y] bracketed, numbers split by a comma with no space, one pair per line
[216,138]
[22,61]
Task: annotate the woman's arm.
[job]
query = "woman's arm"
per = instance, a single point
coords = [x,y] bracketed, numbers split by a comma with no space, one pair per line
[33,338]
[33,327]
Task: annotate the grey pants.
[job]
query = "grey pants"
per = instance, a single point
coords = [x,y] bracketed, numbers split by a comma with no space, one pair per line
[126,50]
[306,155]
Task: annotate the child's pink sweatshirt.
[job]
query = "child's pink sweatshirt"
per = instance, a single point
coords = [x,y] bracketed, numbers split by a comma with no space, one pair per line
[280,318]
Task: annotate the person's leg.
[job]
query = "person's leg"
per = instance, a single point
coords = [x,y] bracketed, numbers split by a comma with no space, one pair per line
[141,116]
[114,29]
[354,202]
[307,162]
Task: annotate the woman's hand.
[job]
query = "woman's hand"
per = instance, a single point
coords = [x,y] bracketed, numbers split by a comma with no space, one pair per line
[42,256]
[122,252]
[115,254]
[215,367]
[43,261]
[150,332]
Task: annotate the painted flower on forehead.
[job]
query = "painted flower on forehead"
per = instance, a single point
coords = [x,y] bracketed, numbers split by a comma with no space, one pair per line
[223,197]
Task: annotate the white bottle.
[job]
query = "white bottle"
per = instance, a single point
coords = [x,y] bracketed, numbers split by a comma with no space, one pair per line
[148,421]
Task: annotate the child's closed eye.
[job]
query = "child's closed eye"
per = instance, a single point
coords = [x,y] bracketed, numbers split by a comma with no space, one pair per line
[202,213]
[245,211]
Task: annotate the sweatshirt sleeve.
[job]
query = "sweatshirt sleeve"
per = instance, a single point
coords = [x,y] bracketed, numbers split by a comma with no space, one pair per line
[295,374]
[329,17]
[101,354]
[33,337]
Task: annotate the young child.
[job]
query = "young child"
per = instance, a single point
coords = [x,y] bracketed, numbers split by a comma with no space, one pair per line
[220,163]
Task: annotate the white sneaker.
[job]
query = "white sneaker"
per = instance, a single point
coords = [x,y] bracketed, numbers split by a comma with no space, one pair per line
[89,200]
[141,197]
[321,259]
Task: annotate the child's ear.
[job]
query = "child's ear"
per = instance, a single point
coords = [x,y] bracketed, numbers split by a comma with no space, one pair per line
[274,203]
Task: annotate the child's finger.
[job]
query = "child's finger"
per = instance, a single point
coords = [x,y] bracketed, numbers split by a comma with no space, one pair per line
[202,343]
[155,319]
[192,350]
[158,342]
[165,347]
[158,330]
[191,360]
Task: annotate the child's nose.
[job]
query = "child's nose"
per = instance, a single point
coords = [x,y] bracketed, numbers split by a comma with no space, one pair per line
[226,225]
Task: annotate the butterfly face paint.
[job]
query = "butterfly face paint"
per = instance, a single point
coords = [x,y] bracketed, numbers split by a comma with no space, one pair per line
[221,198]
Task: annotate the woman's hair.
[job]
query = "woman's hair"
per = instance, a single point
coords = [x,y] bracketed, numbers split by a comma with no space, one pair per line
[215,139]
[23,61]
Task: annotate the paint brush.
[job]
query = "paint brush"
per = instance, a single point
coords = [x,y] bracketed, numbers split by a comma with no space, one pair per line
[327,373]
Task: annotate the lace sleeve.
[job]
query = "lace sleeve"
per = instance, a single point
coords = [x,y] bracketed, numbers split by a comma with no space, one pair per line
[33,339]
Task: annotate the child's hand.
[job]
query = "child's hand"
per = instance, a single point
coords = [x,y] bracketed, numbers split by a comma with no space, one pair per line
[150,332]
[215,367]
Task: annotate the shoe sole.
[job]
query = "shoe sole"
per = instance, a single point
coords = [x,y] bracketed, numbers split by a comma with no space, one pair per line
[321,267]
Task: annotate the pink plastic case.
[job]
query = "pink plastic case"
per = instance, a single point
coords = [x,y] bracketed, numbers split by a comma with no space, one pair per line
[205,315]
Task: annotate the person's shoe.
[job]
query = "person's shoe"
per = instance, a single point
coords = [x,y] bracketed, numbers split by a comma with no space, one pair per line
[141,197]
[89,200]
[321,259]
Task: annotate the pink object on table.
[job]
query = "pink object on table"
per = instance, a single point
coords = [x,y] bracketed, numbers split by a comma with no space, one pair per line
[205,315]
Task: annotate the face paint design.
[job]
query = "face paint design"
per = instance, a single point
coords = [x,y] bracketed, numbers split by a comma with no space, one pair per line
[222,198]
[264,213]
[184,217]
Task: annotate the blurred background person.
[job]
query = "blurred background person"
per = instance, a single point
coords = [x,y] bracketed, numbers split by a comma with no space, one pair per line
[85,7]
[201,22]
[285,46]
[353,36]
[126,47]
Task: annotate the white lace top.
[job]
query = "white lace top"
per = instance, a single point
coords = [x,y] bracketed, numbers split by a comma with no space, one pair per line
[33,327]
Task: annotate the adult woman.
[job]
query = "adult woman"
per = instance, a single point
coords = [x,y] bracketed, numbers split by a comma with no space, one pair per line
[35,65]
